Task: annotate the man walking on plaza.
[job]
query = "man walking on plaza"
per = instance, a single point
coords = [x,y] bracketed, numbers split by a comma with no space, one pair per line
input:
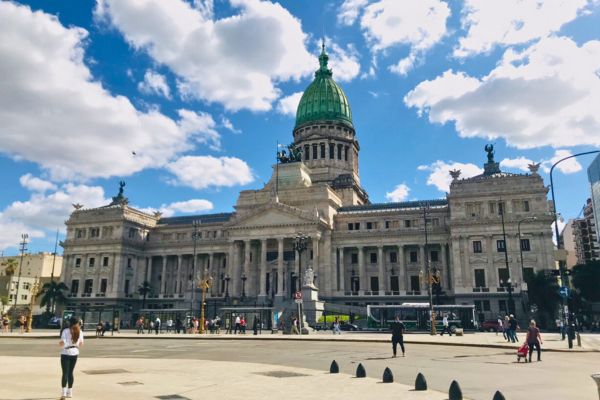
[446,326]
[513,325]
[397,335]
[237,325]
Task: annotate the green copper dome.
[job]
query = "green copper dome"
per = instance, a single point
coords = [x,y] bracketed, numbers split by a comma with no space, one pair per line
[323,99]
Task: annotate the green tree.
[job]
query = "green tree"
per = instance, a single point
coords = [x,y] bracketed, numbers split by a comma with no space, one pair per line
[53,294]
[11,266]
[543,292]
[144,290]
[586,279]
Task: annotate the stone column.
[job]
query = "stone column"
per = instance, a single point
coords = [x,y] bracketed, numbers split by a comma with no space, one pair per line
[342,270]
[231,269]
[116,278]
[382,283]
[149,270]
[246,271]
[423,262]
[163,276]
[445,268]
[178,281]
[262,291]
[280,272]
[296,271]
[212,271]
[333,268]
[315,262]
[491,279]
[362,273]
[402,279]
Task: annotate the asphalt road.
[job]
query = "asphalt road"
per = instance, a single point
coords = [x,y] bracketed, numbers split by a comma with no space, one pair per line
[480,371]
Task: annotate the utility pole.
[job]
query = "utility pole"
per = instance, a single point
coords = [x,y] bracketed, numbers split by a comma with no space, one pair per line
[23,249]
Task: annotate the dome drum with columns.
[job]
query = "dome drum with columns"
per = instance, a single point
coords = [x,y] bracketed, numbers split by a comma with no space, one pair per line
[358,252]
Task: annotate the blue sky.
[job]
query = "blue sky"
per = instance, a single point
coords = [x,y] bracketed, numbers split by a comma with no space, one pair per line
[202,91]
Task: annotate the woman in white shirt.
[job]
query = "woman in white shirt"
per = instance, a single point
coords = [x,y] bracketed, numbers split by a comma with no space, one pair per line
[71,339]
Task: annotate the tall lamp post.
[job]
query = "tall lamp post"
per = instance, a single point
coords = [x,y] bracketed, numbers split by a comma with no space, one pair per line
[428,275]
[204,284]
[521,254]
[34,291]
[23,249]
[244,277]
[300,244]
[511,301]
[195,236]
[227,279]
[561,263]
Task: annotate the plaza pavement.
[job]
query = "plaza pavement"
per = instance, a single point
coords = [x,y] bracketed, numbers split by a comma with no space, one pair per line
[552,342]
[112,378]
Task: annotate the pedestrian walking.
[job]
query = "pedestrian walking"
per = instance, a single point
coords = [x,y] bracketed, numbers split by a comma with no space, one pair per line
[446,326]
[506,328]
[243,324]
[295,330]
[255,326]
[71,340]
[513,325]
[336,327]
[534,339]
[169,325]
[227,326]
[499,328]
[139,324]
[157,323]
[237,325]
[397,335]
[5,323]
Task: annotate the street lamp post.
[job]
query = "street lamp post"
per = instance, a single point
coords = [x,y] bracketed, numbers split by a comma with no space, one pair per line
[300,244]
[429,277]
[195,237]
[561,263]
[227,279]
[23,249]
[34,291]
[204,284]
[244,277]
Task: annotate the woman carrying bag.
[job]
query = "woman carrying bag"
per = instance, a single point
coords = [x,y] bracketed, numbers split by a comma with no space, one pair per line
[71,339]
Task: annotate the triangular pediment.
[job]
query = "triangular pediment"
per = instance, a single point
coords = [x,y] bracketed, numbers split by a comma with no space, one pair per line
[274,214]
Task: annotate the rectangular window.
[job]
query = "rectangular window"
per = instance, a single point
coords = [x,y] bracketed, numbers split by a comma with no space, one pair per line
[525,245]
[105,262]
[77,262]
[103,284]
[407,223]
[413,256]
[502,306]
[503,277]
[393,257]
[486,305]
[339,148]
[131,233]
[89,283]
[129,262]
[501,208]
[387,224]
[331,151]
[357,226]
[322,150]
[314,147]
[306,153]
[289,255]
[126,286]
[350,226]
[480,278]
[23,297]
[369,225]
[525,205]
[500,246]
[354,258]
[435,222]
[94,232]
[373,258]
[374,284]
[492,208]
[92,261]
[75,286]
[80,233]
[346,153]
[394,284]
[271,256]
[415,285]
[434,256]
[477,246]
[26,285]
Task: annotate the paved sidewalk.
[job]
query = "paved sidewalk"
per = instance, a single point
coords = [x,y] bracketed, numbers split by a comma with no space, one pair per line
[552,341]
[110,378]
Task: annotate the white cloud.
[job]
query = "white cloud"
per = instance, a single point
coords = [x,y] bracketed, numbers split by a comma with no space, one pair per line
[520,163]
[205,7]
[343,62]
[440,173]
[420,25]
[400,193]
[569,166]
[227,124]
[201,126]
[289,105]
[155,83]
[546,95]
[240,58]
[36,184]
[55,114]
[200,172]
[349,11]
[509,22]
[192,206]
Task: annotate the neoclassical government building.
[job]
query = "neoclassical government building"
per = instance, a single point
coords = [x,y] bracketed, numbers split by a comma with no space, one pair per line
[359,252]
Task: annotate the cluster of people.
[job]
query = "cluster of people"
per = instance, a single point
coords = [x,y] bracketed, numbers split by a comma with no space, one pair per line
[5,323]
[508,326]
[102,327]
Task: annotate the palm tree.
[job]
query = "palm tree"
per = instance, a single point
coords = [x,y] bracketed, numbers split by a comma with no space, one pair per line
[53,294]
[144,289]
[11,267]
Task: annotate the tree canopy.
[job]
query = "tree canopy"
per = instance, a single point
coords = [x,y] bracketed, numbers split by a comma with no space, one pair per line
[586,279]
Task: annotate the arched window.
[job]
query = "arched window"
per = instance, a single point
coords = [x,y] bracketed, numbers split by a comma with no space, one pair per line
[346,153]
[322,150]
[339,152]
[331,151]
[314,147]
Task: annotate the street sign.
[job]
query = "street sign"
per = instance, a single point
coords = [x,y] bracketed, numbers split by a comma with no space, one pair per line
[297,295]
[564,291]
[298,301]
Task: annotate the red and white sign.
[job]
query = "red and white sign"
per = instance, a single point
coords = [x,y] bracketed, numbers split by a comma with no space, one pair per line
[298,296]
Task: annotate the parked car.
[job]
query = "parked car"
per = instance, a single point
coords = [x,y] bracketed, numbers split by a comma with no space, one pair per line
[54,322]
[320,326]
[348,327]
[490,325]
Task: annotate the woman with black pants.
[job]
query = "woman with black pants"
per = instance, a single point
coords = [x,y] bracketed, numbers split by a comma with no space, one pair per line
[71,339]
[534,339]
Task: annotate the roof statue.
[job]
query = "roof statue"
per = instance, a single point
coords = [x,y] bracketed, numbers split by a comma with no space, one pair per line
[77,206]
[489,148]
[120,199]
[454,173]
[533,168]
[294,154]
[491,167]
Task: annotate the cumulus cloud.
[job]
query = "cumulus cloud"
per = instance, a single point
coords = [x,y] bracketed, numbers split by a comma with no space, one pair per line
[289,105]
[420,25]
[200,172]
[155,83]
[350,10]
[240,58]
[439,173]
[400,193]
[545,95]
[569,166]
[509,22]
[520,163]
[80,130]
[192,206]
[36,184]
[201,126]
[227,124]
[343,62]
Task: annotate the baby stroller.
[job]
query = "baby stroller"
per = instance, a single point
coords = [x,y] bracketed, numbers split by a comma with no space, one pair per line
[523,351]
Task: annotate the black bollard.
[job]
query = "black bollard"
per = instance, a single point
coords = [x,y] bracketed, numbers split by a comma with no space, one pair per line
[360,371]
[334,369]
[388,377]
[455,393]
[420,382]
[498,396]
